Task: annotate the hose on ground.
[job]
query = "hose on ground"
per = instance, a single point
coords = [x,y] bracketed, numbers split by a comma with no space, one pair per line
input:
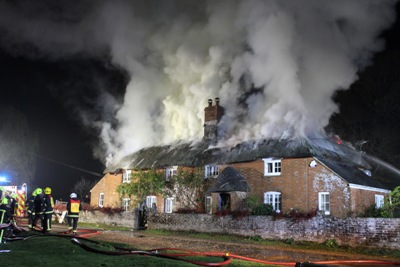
[181,255]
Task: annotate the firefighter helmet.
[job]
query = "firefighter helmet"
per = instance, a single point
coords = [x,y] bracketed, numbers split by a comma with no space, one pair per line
[4,201]
[13,195]
[73,195]
[38,191]
[47,190]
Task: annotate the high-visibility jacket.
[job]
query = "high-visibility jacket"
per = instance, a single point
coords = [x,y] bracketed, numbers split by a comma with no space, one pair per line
[74,206]
[48,204]
[5,215]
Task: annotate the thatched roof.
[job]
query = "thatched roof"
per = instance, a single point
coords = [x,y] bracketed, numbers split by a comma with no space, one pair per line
[230,180]
[342,159]
[202,153]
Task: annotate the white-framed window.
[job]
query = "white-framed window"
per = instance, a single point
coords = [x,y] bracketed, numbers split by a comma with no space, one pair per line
[101,200]
[126,176]
[211,171]
[125,203]
[170,172]
[272,166]
[169,205]
[151,201]
[379,201]
[274,199]
[208,205]
[324,202]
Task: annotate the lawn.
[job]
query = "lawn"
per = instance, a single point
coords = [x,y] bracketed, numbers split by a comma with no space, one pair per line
[52,250]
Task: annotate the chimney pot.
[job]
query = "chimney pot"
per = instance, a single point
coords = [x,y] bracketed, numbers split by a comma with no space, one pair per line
[217,101]
[209,102]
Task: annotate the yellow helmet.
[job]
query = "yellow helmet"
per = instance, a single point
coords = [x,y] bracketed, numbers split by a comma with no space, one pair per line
[38,191]
[47,190]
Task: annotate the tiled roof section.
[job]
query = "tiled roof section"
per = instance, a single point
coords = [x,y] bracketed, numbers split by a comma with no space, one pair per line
[230,180]
[352,174]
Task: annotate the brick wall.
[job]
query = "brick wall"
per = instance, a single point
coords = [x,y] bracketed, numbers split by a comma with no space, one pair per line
[107,185]
[299,184]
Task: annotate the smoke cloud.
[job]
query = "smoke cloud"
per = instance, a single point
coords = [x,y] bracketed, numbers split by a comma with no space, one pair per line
[275,65]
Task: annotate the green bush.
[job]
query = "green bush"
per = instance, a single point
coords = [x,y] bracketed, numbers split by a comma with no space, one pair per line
[289,241]
[263,209]
[372,212]
[331,243]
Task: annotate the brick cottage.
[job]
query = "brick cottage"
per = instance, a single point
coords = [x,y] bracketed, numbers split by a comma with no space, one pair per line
[301,174]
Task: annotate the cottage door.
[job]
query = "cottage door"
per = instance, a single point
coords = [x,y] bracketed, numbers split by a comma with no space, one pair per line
[224,201]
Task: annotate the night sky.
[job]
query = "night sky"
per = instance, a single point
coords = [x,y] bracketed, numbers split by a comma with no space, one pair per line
[48,90]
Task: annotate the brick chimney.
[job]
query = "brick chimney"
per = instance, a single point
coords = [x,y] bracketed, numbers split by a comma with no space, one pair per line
[212,115]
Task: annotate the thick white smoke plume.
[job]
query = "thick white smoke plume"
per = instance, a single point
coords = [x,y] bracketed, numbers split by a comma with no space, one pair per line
[275,65]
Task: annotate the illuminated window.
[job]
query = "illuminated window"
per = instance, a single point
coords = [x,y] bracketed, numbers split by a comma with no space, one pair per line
[379,201]
[101,200]
[324,202]
[151,202]
[272,166]
[170,172]
[125,204]
[211,171]
[274,199]
[169,205]
[126,176]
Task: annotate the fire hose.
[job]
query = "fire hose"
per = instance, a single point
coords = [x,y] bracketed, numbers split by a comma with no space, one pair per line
[181,255]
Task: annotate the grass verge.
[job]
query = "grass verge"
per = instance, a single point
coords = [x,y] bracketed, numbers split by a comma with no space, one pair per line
[50,250]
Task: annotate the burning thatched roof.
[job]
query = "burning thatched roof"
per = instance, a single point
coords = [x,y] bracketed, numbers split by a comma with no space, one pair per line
[200,154]
[342,159]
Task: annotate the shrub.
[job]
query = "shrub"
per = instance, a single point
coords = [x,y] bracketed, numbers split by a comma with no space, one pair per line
[237,214]
[110,210]
[289,241]
[331,243]
[255,238]
[187,210]
[297,215]
[263,209]
[372,212]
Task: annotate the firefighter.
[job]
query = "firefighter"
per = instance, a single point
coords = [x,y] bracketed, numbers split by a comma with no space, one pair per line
[74,206]
[38,206]
[30,207]
[48,206]
[5,215]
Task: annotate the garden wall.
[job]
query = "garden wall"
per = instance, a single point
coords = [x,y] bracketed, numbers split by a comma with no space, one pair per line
[124,219]
[377,232]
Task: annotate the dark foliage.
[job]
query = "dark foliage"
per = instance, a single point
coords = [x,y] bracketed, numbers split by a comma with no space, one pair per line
[371,212]
[263,209]
[297,215]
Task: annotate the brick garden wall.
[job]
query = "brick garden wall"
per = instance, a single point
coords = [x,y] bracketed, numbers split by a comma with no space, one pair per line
[376,232]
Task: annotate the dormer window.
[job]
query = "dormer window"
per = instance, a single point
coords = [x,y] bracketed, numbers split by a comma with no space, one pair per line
[272,166]
[126,176]
[170,172]
[211,171]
